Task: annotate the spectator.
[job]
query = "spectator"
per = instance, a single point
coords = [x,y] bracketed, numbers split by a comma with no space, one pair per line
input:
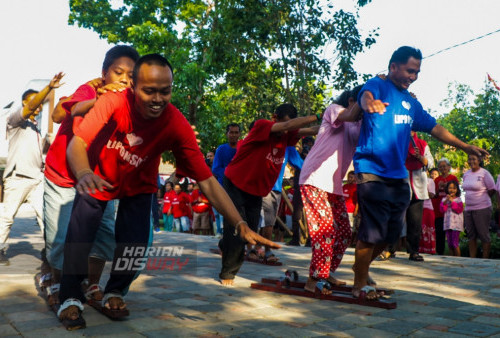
[24,171]
[428,237]
[418,159]
[452,208]
[201,212]
[181,209]
[168,218]
[440,183]
[479,186]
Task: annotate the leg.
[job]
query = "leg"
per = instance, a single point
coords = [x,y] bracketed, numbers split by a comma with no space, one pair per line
[85,219]
[472,248]
[440,236]
[342,230]
[15,192]
[319,216]
[414,225]
[35,199]
[132,234]
[232,247]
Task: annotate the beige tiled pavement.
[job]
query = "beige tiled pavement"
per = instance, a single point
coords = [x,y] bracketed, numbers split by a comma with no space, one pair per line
[443,296]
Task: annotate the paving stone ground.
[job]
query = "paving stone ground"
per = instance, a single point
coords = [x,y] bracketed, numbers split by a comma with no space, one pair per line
[441,297]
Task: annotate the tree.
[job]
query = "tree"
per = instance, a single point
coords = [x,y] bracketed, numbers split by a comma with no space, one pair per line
[475,122]
[235,60]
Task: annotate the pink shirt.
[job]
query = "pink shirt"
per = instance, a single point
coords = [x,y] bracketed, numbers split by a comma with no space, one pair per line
[476,186]
[453,214]
[330,157]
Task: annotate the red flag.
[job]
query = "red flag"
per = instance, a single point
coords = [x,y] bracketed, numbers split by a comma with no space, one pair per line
[492,81]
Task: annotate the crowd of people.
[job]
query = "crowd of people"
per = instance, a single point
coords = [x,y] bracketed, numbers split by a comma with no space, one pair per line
[108,149]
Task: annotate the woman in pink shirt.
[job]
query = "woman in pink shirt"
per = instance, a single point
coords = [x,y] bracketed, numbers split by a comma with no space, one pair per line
[321,190]
[479,186]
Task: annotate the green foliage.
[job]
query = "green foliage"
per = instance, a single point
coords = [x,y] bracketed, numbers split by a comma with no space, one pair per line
[494,249]
[236,60]
[474,121]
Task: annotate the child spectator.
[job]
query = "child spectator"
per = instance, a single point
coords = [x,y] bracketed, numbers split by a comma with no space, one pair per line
[201,212]
[452,208]
[168,218]
[181,209]
[428,236]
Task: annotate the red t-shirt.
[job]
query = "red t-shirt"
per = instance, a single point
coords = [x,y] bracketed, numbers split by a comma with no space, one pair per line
[199,206]
[440,194]
[125,149]
[167,201]
[258,160]
[180,205]
[350,196]
[56,166]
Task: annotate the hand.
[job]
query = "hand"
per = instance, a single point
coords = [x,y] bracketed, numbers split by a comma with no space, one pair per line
[475,150]
[196,134]
[54,83]
[95,83]
[88,183]
[376,106]
[111,87]
[247,235]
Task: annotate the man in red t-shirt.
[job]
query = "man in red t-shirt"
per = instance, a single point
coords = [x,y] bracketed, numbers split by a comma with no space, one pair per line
[115,154]
[252,173]
[351,201]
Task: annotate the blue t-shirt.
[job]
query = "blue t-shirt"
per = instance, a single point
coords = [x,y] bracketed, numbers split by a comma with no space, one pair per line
[292,156]
[223,155]
[384,139]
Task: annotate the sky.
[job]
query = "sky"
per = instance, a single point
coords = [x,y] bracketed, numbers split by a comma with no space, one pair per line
[37,42]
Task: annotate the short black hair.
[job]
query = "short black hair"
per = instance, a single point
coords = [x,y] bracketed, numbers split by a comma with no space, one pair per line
[450,183]
[28,93]
[402,54]
[117,52]
[343,99]
[150,59]
[230,125]
[286,109]
[433,169]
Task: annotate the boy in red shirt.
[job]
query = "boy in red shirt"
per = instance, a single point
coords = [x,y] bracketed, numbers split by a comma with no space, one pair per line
[201,212]
[168,218]
[59,191]
[252,173]
[115,154]
[181,209]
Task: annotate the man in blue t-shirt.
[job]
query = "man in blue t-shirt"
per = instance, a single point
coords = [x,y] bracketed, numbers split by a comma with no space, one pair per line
[390,113]
[223,155]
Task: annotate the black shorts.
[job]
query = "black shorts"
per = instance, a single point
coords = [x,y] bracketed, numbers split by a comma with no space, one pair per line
[382,206]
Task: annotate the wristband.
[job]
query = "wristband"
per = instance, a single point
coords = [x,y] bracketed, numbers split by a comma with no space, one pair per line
[318,116]
[237,227]
[82,173]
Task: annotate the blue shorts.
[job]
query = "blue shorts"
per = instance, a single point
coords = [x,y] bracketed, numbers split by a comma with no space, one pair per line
[382,205]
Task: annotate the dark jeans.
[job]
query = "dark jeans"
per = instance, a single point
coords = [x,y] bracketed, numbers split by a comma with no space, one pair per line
[440,235]
[414,225]
[132,229]
[233,247]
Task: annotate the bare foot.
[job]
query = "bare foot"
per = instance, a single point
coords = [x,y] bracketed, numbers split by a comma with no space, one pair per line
[227,282]
[115,303]
[334,281]
[311,286]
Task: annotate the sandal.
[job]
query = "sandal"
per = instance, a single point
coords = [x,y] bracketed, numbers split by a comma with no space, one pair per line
[323,287]
[71,324]
[106,309]
[45,280]
[53,297]
[252,254]
[92,290]
[416,257]
[367,293]
[270,257]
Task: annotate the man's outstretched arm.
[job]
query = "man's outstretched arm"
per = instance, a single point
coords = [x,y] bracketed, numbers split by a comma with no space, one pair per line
[443,135]
[221,201]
